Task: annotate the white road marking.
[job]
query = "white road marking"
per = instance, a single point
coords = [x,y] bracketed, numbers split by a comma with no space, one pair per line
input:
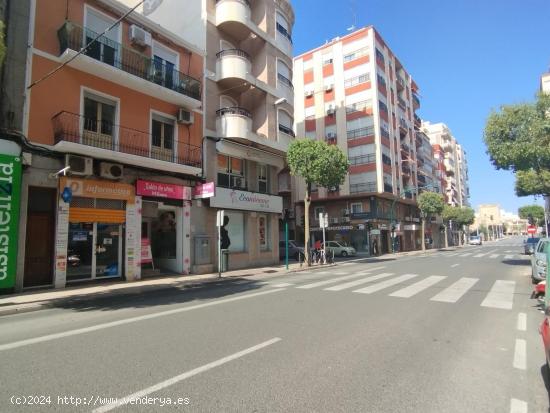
[415,288]
[385,284]
[508,257]
[520,354]
[281,285]
[494,256]
[479,255]
[335,280]
[518,406]
[465,255]
[501,295]
[130,320]
[454,292]
[454,265]
[341,273]
[522,322]
[350,284]
[170,382]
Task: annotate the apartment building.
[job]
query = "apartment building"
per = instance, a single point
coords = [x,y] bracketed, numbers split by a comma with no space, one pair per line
[355,93]
[248,118]
[113,145]
[451,161]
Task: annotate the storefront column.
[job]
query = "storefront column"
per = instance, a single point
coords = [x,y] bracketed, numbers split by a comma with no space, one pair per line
[133,240]
[61,241]
[186,237]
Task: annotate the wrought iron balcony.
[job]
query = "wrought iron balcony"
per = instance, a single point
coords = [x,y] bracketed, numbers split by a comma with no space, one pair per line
[70,127]
[74,37]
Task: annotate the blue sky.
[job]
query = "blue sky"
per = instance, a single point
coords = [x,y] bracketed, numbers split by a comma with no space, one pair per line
[467,56]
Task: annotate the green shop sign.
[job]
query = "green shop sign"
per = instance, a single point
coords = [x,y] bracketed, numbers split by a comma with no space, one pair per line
[10,193]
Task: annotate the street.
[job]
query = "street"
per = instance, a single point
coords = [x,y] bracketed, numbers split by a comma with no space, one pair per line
[447,331]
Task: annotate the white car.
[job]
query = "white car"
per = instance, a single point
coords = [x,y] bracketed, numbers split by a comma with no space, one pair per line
[475,240]
[340,249]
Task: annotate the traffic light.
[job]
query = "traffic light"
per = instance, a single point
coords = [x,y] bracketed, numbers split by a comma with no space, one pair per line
[368,225]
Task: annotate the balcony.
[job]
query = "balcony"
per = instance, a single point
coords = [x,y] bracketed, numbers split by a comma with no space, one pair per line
[405,148]
[233,122]
[331,139]
[401,103]
[416,101]
[386,160]
[233,17]
[400,83]
[363,159]
[76,134]
[417,121]
[110,60]
[384,133]
[388,188]
[363,188]
[232,67]
[360,133]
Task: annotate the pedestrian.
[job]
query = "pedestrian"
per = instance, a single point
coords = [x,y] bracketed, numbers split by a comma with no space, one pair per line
[375,248]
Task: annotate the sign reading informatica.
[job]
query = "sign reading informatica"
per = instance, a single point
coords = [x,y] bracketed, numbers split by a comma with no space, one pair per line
[10,193]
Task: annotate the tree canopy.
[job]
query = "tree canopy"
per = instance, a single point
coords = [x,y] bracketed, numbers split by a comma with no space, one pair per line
[536,212]
[466,216]
[318,163]
[518,139]
[431,203]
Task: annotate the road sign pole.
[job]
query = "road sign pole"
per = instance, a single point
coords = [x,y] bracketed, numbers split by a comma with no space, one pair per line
[219,224]
[325,224]
[286,243]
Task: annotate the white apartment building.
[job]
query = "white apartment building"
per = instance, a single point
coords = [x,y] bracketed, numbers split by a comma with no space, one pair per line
[248,118]
[454,179]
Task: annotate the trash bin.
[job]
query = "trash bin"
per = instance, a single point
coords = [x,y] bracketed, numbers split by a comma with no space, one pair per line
[225,260]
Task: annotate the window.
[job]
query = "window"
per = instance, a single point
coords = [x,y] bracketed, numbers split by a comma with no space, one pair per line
[327,59]
[263,232]
[380,55]
[231,172]
[105,49]
[285,122]
[284,74]
[311,135]
[383,107]
[99,115]
[359,106]
[318,210]
[362,154]
[356,208]
[263,179]
[236,231]
[381,80]
[165,63]
[283,27]
[357,80]
[356,54]
[162,138]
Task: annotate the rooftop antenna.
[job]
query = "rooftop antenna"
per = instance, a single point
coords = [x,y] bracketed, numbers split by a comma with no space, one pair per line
[353,9]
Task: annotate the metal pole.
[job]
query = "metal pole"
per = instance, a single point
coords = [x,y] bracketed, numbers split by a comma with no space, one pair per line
[325,222]
[219,251]
[286,244]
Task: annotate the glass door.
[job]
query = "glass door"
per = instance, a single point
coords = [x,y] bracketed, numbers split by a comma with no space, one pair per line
[108,250]
[80,251]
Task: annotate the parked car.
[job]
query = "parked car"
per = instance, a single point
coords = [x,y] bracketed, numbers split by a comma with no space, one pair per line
[475,240]
[340,249]
[529,245]
[544,331]
[538,260]
[295,250]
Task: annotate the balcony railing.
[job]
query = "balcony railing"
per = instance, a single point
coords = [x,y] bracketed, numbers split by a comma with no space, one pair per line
[360,133]
[384,133]
[70,127]
[287,130]
[284,32]
[74,37]
[364,187]
[362,159]
[234,110]
[233,52]
[416,100]
[285,80]
[386,159]
[401,102]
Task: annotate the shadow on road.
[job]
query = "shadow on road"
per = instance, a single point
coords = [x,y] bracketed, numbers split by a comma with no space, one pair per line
[143,297]
[545,373]
[525,261]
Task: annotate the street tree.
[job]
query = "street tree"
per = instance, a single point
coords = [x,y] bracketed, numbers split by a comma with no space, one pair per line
[317,163]
[465,217]
[533,213]
[431,204]
[518,139]
[449,214]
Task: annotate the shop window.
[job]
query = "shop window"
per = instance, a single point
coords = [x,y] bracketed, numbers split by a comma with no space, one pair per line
[263,232]
[236,231]
[231,172]
[263,179]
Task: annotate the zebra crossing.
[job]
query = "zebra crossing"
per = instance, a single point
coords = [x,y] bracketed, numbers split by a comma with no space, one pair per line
[371,281]
[492,255]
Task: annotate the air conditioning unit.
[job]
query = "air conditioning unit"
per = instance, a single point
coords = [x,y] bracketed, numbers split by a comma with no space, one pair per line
[346,219]
[139,37]
[328,88]
[79,165]
[185,116]
[331,111]
[345,212]
[308,93]
[331,135]
[111,170]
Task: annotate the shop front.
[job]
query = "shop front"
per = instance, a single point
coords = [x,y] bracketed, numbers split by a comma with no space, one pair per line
[165,226]
[96,231]
[252,226]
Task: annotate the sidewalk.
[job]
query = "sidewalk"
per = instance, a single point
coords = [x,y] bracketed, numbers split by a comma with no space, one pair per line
[44,299]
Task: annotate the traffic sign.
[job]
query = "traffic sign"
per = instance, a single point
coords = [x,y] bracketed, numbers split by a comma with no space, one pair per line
[531,229]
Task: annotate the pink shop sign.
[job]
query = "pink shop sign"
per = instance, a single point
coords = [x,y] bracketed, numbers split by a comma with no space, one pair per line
[206,190]
[162,190]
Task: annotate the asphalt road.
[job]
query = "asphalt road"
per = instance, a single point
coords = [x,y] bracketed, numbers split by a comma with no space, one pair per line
[451,331]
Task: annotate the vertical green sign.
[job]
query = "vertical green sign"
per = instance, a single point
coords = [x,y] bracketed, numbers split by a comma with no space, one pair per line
[10,194]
